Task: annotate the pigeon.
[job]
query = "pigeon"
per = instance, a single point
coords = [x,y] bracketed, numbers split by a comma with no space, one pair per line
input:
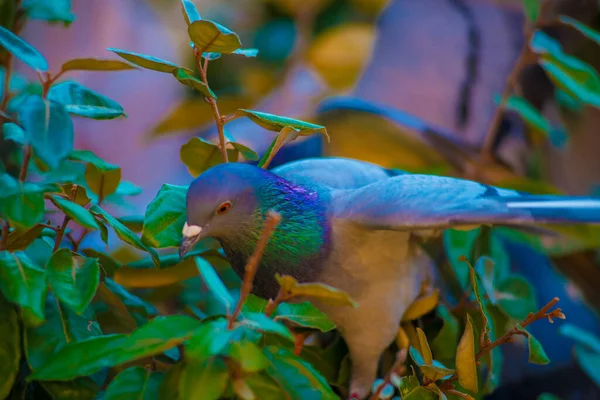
[354,226]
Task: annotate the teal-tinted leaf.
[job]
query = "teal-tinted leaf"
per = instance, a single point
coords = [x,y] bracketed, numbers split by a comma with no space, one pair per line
[146,61]
[245,151]
[592,34]
[95,64]
[62,327]
[188,79]
[213,282]
[84,102]
[21,203]
[516,297]
[134,382]
[532,9]
[304,314]
[22,50]
[208,36]
[13,132]
[535,120]
[10,350]
[198,155]
[485,270]
[547,396]
[24,283]
[444,344]
[416,356]
[51,11]
[165,217]
[277,123]
[589,362]
[73,281]
[459,243]
[48,127]
[537,354]
[262,323]
[127,188]
[77,213]
[246,52]
[248,355]
[581,336]
[297,377]
[211,339]
[131,301]
[124,233]
[190,12]
[91,355]
[206,380]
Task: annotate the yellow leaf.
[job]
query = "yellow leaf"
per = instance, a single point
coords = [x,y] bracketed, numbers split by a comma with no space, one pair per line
[421,306]
[325,293]
[425,350]
[402,339]
[151,278]
[466,366]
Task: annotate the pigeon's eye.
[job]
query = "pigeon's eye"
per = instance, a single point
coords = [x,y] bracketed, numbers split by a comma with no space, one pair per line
[223,208]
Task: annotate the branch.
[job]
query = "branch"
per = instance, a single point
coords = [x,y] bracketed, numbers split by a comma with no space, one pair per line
[7,76]
[220,121]
[517,330]
[273,219]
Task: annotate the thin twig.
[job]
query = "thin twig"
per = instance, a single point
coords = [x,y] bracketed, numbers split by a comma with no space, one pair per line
[272,304]
[61,233]
[517,330]
[25,165]
[7,76]
[213,104]
[397,368]
[273,219]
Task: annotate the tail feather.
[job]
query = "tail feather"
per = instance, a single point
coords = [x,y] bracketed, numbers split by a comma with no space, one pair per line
[553,209]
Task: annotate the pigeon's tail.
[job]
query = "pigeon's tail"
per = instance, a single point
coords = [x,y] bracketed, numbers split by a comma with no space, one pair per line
[558,210]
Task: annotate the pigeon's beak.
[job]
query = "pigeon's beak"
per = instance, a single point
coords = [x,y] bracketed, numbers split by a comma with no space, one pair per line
[191,235]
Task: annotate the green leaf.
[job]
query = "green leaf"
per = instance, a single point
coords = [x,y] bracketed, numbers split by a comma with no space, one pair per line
[287,135]
[91,355]
[532,9]
[21,203]
[84,102]
[245,151]
[547,396]
[516,297]
[242,52]
[20,240]
[205,380]
[95,64]
[134,382]
[198,155]
[51,11]
[459,243]
[581,336]
[444,344]
[165,217]
[62,327]
[589,362]
[424,347]
[48,128]
[13,132]
[249,356]
[407,384]
[537,354]
[435,373]
[590,33]
[24,283]
[485,271]
[262,323]
[277,123]
[188,79]
[190,12]
[148,62]
[304,314]
[22,50]
[466,366]
[125,234]
[10,350]
[213,282]
[74,211]
[421,393]
[296,376]
[103,181]
[208,36]
[265,387]
[75,285]
[211,339]
[483,306]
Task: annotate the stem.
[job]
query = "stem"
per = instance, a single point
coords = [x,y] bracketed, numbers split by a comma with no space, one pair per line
[4,238]
[61,233]
[272,304]
[25,166]
[396,368]
[7,76]
[220,121]
[273,219]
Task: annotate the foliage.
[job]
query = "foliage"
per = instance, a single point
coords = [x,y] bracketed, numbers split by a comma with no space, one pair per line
[78,322]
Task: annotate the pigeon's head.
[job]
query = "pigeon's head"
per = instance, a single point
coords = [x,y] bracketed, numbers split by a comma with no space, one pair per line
[224,203]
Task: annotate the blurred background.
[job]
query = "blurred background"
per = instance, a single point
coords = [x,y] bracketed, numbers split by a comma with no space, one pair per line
[407,84]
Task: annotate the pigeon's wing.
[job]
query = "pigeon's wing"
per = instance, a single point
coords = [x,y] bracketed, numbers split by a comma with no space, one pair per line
[333,172]
[419,202]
